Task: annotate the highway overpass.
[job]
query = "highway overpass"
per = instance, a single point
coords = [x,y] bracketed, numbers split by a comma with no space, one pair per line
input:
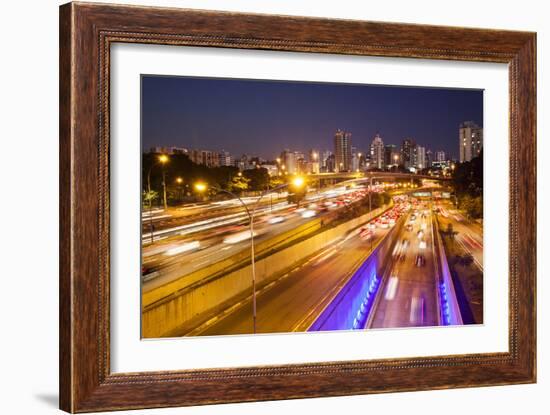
[374,175]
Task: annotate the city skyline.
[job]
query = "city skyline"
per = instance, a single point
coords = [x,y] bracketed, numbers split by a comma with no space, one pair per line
[177,112]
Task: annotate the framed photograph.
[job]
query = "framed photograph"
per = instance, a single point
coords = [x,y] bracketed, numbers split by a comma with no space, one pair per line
[260,207]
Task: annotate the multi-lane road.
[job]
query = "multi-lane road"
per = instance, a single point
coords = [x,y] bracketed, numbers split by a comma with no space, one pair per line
[408,297]
[469,235]
[209,233]
[292,302]
[408,293]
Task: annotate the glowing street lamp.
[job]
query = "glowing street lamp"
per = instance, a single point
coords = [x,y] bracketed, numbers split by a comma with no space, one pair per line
[298,182]
[162,160]
[202,187]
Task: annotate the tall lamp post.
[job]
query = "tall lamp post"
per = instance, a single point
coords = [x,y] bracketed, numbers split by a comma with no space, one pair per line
[297,182]
[162,160]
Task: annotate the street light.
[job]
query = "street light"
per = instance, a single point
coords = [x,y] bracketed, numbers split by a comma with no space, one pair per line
[200,187]
[179,181]
[162,159]
[296,182]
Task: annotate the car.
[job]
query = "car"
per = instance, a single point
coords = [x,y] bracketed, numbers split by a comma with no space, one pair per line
[409,227]
[276,219]
[422,245]
[365,233]
[308,214]
[420,260]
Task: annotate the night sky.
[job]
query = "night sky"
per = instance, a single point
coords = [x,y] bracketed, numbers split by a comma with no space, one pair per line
[261,118]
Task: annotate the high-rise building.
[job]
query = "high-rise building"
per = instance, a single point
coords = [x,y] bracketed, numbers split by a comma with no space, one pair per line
[470,138]
[392,156]
[342,150]
[354,159]
[420,157]
[324,160]
[205,157]
[429,158]
[244,162]
[169,150]
[408,153]
[289,162]
[330,163]
[225,158]
[302,166]
[440,156]
[377,152]
[314,160]
[272,169]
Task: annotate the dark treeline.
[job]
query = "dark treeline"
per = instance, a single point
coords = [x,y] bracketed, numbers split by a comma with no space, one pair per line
[468,186]
[182,174]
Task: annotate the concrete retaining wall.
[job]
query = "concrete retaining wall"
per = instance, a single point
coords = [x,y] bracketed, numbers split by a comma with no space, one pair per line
[165,316]
[351,307]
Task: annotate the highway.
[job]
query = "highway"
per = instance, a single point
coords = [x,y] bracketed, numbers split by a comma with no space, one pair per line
[408,297]
[293,301]
[189,244]
[468,234]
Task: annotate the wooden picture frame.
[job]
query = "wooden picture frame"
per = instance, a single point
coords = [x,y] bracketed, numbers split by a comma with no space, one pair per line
[86,33]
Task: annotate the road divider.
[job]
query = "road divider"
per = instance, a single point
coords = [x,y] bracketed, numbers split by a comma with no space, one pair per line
[351,307]
[448,303]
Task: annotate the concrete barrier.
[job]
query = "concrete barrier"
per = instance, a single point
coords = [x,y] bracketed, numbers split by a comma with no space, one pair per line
[233,262]
[449,308]
[350,308]
[175,312]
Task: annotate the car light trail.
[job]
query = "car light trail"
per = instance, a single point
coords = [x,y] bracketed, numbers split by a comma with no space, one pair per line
[189,246]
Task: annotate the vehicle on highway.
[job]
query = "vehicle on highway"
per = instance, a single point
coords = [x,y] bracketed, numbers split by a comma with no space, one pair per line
[366,233]
[420,260]
[238,237]
[276,219]
[422,245]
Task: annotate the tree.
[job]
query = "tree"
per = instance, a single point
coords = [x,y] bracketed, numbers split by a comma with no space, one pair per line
[238,184]
[149,197]
[473,206]
[467,182]
[258,178]
[275,181]
[297,196]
